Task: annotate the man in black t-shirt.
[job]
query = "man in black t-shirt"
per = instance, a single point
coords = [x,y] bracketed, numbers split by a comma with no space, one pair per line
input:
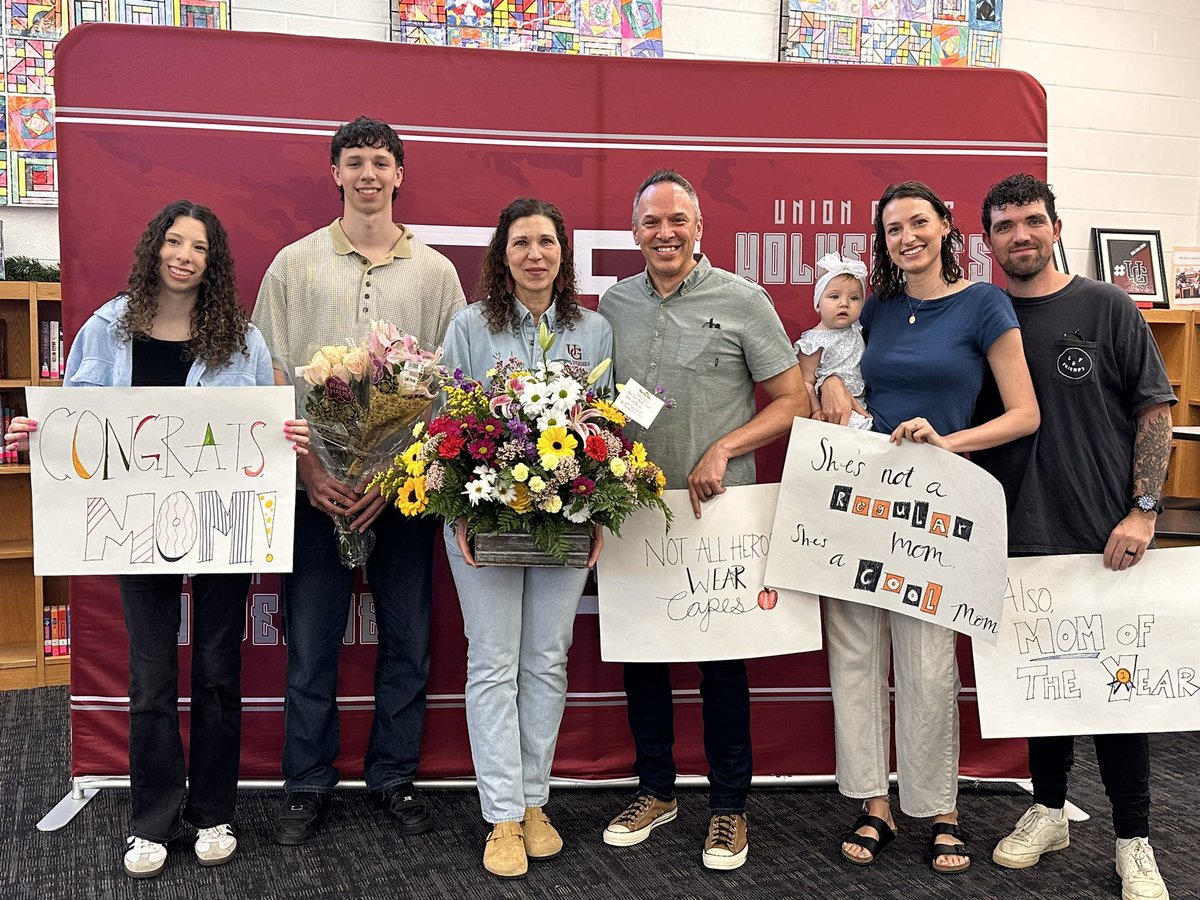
[1087,482]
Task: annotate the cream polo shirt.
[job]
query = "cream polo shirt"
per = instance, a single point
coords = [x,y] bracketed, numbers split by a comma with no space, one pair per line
[320,290]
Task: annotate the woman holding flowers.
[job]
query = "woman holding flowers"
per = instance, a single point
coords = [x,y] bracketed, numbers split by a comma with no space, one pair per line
[519,620]
[178,325]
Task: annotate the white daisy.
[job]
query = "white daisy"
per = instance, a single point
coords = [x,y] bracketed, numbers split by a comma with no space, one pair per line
[578,517]
[478,489]
[564,391]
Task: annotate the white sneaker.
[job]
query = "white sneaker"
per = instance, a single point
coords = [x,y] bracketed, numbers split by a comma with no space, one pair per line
[144,859]
[1037,832]
[215,845]
[1140,879]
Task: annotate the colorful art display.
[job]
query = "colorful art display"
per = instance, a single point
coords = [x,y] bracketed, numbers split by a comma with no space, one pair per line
[29,35]
[590,27]
[956,33]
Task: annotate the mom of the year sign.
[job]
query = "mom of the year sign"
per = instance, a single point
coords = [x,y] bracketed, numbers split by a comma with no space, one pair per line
[908,528]
[1085,650]
[156,480]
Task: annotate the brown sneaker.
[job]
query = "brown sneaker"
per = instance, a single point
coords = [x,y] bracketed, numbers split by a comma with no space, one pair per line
[542,840]
[726,846]
[639,818]
[504,852]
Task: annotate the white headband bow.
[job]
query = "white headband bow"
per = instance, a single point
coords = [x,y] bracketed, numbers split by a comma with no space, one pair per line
[834,265]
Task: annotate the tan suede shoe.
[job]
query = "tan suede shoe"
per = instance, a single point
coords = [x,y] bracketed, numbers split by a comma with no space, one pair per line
[504,852]
[542,840]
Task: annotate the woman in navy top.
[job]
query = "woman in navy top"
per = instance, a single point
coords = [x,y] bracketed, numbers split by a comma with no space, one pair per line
[930,336]
[179,324]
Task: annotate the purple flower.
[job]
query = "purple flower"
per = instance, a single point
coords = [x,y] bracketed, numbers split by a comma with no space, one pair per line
[337,390]
[517,428]
[460,380]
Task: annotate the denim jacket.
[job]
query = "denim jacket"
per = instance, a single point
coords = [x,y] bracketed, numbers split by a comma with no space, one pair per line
[100,358]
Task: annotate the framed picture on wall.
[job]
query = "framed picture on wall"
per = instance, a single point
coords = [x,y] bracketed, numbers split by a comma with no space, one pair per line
[1133,261]
[1185,263]
[1060,257]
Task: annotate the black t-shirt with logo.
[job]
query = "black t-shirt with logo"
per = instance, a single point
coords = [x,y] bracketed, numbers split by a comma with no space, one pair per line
[1095,367]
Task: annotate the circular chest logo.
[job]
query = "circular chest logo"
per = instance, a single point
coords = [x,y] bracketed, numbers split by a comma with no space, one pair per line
[1074,363]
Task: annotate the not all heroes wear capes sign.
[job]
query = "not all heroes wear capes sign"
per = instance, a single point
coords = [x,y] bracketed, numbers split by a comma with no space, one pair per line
[911,528]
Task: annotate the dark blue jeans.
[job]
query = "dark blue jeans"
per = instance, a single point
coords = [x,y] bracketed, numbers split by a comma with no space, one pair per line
[156,769]
[316,598]
[725,694]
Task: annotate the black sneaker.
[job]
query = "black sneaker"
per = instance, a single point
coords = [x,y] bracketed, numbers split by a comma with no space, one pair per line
[299,817]
[407,807]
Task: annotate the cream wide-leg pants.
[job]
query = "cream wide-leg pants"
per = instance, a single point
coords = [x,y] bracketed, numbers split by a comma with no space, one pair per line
[862,643]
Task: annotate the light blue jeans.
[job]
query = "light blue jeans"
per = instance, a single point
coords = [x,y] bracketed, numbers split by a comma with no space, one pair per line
[519,624]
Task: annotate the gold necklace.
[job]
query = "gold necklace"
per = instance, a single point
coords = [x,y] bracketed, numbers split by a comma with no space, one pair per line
[912,313]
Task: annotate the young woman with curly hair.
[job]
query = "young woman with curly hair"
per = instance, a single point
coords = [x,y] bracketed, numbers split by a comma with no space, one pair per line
[179,324]
[931,335]
[519,621]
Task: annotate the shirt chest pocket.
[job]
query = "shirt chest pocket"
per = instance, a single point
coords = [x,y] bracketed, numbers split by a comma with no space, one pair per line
[1075,361]
[698,351]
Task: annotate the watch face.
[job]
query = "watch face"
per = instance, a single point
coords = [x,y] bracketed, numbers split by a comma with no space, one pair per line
[1145,502]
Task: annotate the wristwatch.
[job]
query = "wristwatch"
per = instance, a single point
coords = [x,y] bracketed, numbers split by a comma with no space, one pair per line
[1146,503]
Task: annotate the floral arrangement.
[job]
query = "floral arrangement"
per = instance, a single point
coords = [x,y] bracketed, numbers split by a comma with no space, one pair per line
[361,402]
[539,451]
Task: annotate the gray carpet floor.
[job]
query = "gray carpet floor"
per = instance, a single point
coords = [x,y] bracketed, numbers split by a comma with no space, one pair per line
[793,851]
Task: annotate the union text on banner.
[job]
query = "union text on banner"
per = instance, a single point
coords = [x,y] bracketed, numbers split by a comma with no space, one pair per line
[1085,650]
[156,480]
[696,592]
[913,529]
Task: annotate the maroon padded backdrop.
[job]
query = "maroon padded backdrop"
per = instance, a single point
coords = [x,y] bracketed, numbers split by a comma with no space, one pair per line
[787,160]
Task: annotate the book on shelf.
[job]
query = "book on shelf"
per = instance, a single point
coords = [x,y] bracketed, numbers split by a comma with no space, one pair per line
[47,632]
[62,354]
[3,348]
[44,347]
[55,343]
[54,631]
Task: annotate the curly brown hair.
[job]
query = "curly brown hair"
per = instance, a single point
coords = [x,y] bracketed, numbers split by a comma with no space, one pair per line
[887,280]
[219,324]
[493,289]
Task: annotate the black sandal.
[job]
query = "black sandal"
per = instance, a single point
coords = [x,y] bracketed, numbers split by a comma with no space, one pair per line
[936,850]
[874,846]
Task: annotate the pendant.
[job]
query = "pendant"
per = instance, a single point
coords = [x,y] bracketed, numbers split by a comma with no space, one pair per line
[912,319]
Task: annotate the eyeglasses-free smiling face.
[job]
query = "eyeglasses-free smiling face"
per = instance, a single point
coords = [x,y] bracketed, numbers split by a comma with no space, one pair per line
[368,177]
[666,230]
[1022,238]
[183,257]
[533,255]
[914,233]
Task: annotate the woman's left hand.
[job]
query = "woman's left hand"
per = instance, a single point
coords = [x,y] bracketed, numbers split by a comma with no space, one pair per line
[597,545]
[919,431]
[296,431]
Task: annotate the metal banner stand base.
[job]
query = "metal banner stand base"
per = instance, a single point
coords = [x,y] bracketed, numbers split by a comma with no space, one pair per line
[84,788]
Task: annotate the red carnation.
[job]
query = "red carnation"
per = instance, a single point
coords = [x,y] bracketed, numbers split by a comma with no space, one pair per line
[595,447]
[451,446]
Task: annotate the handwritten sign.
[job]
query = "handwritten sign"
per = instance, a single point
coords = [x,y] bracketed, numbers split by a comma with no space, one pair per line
[156,480]
[696,593]
[908,528]
[1085,650]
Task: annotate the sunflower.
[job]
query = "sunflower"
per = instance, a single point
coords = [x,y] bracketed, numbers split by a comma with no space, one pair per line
[637,456]
[557,441]
[411,500]
[411,459]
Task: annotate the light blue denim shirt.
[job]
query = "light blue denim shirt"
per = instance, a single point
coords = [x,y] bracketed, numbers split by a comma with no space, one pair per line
[100,358]
[471,346]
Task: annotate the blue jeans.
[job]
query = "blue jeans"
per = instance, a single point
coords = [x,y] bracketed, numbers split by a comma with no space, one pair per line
[725,698]
[316,602]
[519,624]
[156,768]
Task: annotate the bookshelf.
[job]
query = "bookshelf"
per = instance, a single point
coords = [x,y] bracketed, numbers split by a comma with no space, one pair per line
[23,663]
[1177,332]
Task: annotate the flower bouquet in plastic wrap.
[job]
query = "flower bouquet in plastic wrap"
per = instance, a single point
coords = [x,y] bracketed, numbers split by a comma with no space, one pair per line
[536,455]
[361,402]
